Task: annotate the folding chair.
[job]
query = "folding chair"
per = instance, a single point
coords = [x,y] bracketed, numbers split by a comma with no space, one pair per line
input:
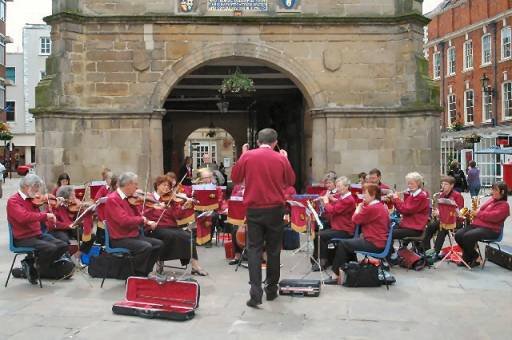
[489,242]
[19,251]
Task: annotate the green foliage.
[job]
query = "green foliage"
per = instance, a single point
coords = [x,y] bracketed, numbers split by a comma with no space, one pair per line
[237,83]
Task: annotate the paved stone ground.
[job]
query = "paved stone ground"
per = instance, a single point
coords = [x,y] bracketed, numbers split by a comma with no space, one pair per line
[448,303]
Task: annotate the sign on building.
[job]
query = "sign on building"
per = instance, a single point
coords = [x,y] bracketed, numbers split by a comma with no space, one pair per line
[238,5]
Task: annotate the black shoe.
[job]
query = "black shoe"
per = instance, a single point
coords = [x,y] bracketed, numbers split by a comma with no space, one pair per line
[233,262]
[208,244]
[437,258]
[253,303]
[30,271]
[18,273]
[474,263]
[315,268]
[271,294]
[331,281]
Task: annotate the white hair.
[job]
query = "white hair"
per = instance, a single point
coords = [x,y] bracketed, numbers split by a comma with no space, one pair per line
[126,178]
[65,191]
[414,176]
[31,181]
[343,180]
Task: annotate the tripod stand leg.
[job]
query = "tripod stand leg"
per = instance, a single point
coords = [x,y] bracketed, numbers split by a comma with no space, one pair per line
[241,258]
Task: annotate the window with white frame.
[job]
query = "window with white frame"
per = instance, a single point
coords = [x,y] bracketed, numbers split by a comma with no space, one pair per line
[2,53]
[451,61]
[436,66]
[452,110]
[469,99]
[486,49]
[505,43]
[2,10]
[486,106]
[468,54]
[2,96]
[10,111]
[45,45]
[507,100]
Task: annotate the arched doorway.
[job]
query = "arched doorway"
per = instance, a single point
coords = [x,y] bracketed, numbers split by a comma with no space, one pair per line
[278,103]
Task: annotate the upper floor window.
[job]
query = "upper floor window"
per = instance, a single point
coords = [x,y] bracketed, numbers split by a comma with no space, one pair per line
[2,53]
[451,61]
[10,111]
[507,100]
[505,43]
[486,49]
[468,54]
[469,97]
[2,10]
[10,74]
[436,66]
[452,110]
[45,46]
[486,105]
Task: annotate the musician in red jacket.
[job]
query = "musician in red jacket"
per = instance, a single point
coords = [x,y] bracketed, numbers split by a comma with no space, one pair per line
[64,228]
[124,223]
[266,174]
[178,243]
[25,219]
[373,217]
[447,192]
[487,224]
[339,209]
[414,208]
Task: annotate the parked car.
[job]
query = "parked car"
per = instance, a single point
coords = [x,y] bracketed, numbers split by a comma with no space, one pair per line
[22,170]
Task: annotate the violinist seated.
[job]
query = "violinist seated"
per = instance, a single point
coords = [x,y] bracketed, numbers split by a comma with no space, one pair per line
[339,208]
[26,218]
[63,179]
[66,212]
[208,224]
[414,208]
[373,217]
[124,222]
[176,241]
[447,192]
[330,190]
[486,225]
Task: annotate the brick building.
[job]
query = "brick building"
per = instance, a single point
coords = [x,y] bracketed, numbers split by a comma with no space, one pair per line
[3,41]
[467,42]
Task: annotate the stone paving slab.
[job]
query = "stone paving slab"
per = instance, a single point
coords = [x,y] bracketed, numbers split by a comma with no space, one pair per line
[444,303]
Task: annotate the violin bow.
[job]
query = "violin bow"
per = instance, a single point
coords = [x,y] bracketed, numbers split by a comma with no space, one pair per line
[174,191]
[145,192]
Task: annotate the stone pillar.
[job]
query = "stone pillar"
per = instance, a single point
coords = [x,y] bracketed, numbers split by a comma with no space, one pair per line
[320,147]
[28,155]
[81,144]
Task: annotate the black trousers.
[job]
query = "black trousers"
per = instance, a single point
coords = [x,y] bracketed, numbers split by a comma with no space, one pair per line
[145,251]
[176,244]
[66,235]
[325,238]
[236,248]
[48,249]
[265,229]
[432,228]
[346,252]
[468,237]
[402,232]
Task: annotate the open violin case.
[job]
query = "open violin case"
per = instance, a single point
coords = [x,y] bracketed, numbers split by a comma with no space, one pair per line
[159,299]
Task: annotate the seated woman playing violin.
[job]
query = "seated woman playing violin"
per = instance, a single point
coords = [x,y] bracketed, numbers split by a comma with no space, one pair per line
[66,211]
[487,224]
[176,240]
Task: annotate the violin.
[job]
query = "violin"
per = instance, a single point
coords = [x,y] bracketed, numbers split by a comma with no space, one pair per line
[40,200]
[76,206]
[139,198]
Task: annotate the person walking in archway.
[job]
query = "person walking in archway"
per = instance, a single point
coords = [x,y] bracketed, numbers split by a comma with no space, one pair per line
[266,174]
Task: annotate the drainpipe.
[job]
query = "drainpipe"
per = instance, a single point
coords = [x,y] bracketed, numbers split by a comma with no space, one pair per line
[495,94]
[443,85]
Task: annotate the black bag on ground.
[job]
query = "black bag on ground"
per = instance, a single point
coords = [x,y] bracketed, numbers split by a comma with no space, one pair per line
[291,239]
[117,266]
[361,275]
[501,256]
[62,268]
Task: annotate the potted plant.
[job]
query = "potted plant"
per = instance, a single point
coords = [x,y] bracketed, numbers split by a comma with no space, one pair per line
[5,132]
[472,138]
[237,84]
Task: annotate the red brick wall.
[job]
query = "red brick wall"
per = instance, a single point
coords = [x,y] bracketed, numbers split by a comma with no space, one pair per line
[455,19]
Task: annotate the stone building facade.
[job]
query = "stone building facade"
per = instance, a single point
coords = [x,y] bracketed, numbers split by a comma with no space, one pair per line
[358,65]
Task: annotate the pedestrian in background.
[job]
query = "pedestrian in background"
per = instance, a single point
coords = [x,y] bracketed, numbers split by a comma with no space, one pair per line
[473,179]
[460,178]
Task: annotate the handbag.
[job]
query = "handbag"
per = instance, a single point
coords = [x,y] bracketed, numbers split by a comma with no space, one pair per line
[361,275]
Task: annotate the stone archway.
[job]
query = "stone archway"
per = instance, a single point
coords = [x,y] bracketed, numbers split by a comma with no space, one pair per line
[265,54]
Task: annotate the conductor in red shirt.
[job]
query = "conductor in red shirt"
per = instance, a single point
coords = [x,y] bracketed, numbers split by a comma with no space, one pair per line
[124,223]
[266,174]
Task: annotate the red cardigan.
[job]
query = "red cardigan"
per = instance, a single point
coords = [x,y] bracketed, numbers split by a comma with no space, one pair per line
[374,221]
[414,210]
[65,219]
[169,217]
[340,213]
[266,174]
[492,215]
[123,219]
[24,217]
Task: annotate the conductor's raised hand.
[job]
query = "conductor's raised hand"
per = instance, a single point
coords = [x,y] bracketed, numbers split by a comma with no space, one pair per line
[283,152]
[245,148]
